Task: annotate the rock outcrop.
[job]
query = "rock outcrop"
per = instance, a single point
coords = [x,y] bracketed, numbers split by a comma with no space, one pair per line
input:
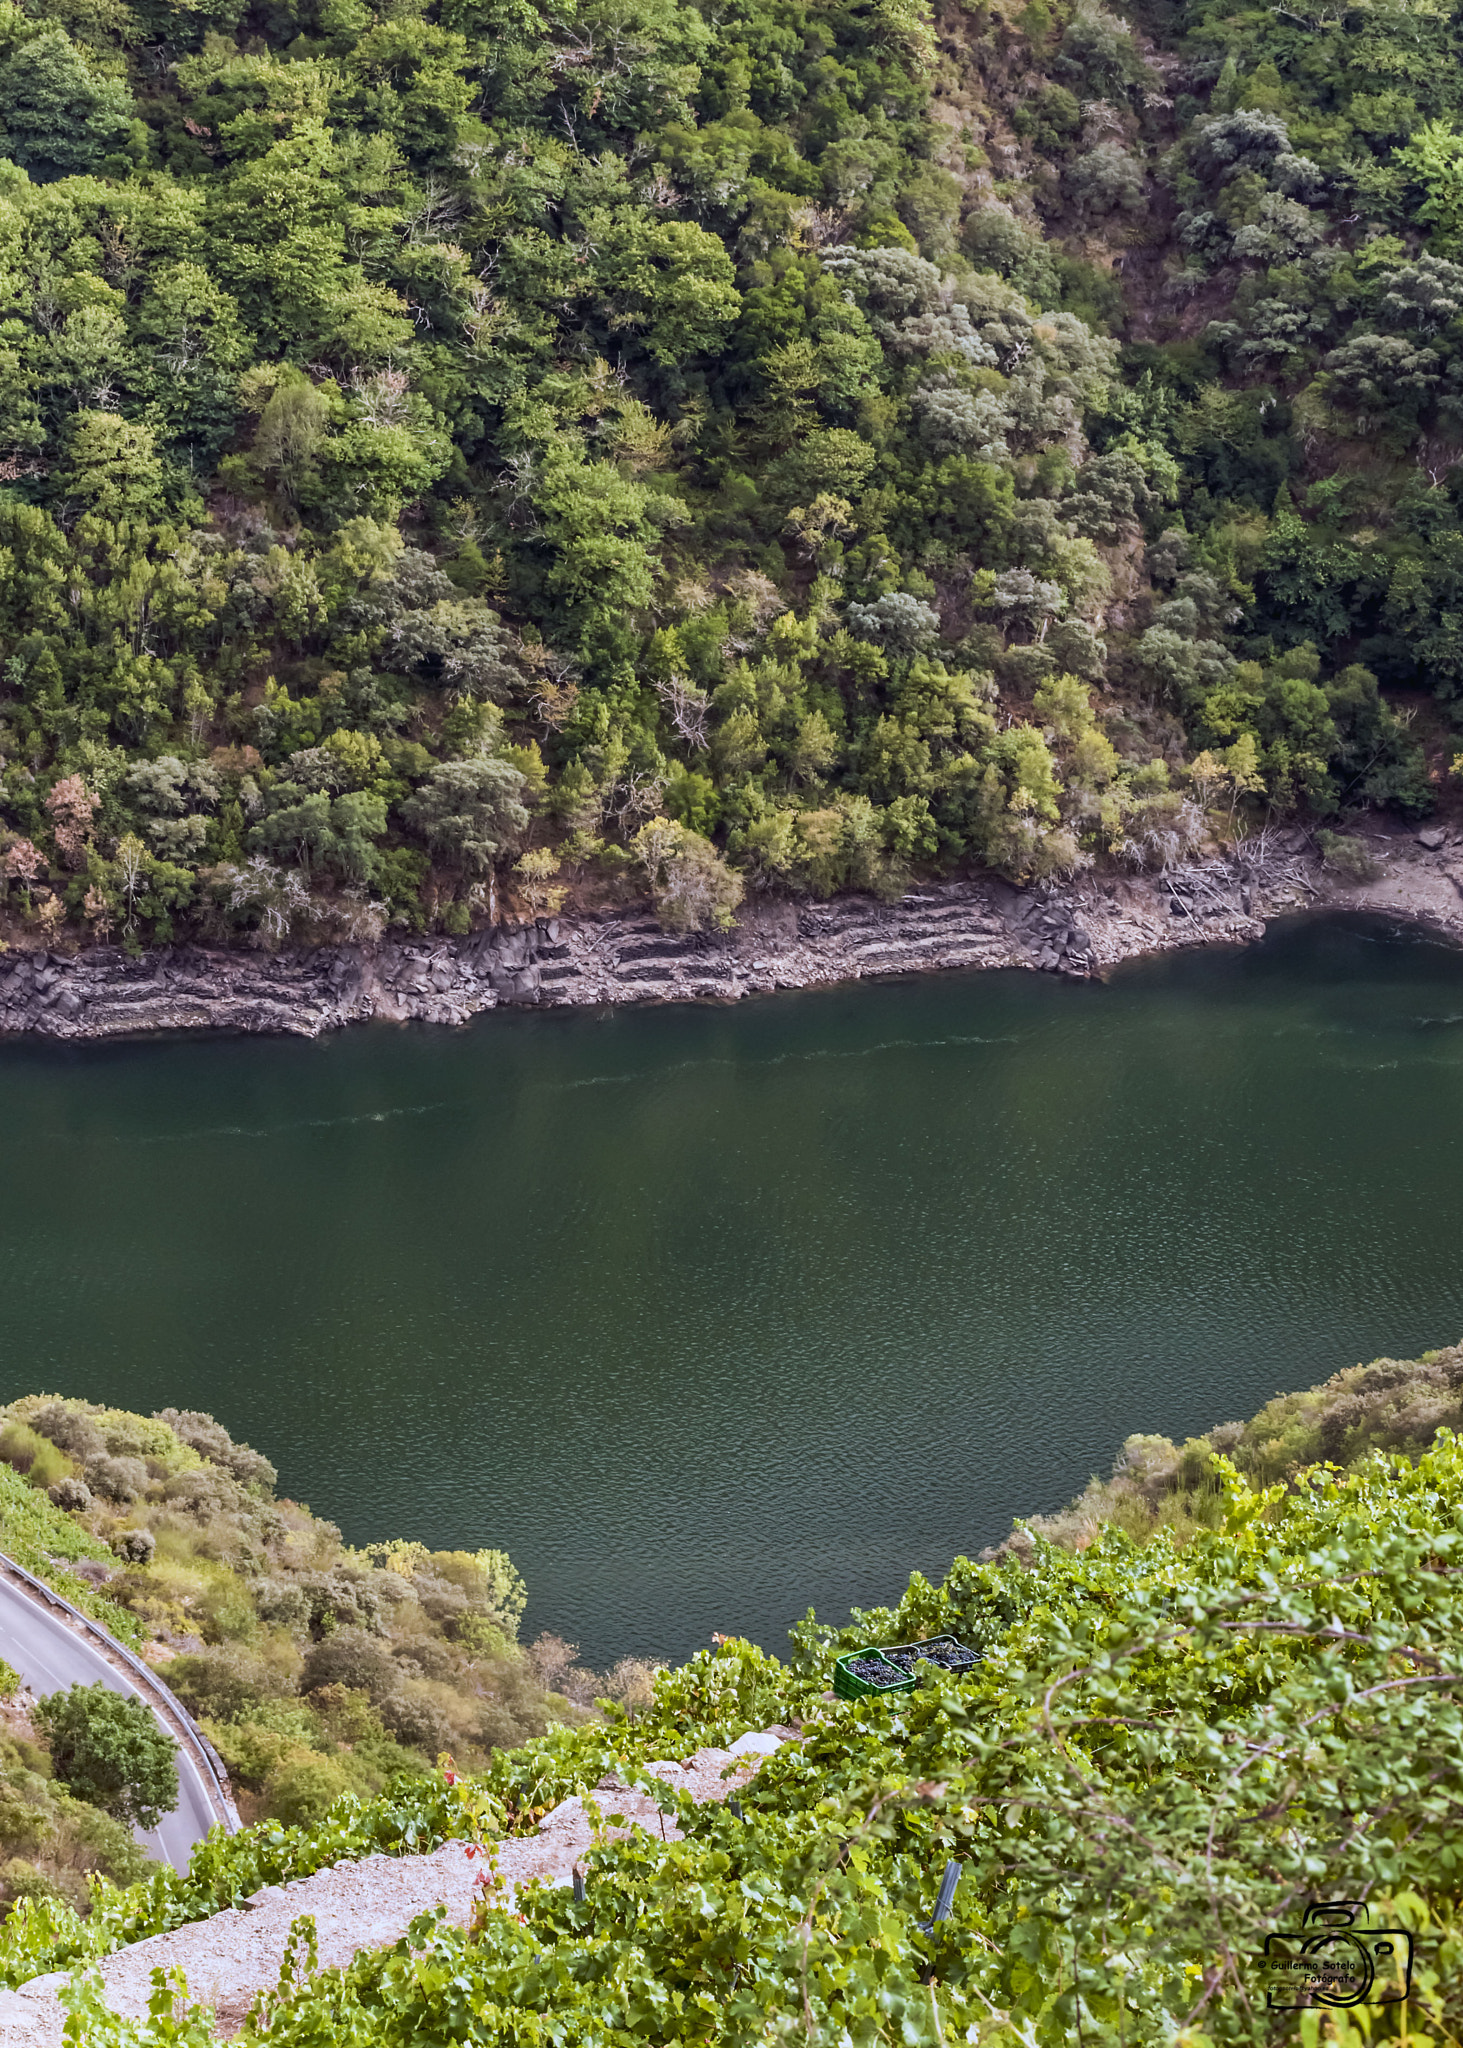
[623,956]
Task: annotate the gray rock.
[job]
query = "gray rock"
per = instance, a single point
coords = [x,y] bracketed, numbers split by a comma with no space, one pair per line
[1433,837]
[611,956]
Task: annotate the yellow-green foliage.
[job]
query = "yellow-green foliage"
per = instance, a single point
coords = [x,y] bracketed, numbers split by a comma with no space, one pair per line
[316,1668]
[37,1535]
[49,1841]
[1160,1758]
[124,1434]
[33,1455]
[1392,1405]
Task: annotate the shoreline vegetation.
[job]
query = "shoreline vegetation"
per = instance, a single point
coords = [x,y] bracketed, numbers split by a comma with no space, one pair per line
[333,1680]
[485,461]
[1082,928]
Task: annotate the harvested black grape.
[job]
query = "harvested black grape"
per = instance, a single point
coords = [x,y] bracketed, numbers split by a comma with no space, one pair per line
[873,1670]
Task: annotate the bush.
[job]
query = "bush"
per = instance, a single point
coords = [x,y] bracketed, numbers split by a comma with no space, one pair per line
[223,1684]
[1349,857]
[692,885]
[69,1429]
[203,1494]
[117,1479]
[10,1680]
[419,1723]
[301,1791]
[73,1496]
[212,1441]
[631,1684]
[107,1749]
[33,1455]
[83,1838]
[280,1602]
[353,1659]
[135,1546]
[23,1881]
[344,1598]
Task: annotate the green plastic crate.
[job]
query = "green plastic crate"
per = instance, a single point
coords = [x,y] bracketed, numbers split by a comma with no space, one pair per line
[850,1686]
[957,1658]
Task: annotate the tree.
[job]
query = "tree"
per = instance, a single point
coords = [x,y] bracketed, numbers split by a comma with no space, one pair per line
[114,469]
[57,117]
[1435,159]
[469,809]
[72,806]
[315,828]
[131,873]
[108,1749]
[692,885]
[536,871]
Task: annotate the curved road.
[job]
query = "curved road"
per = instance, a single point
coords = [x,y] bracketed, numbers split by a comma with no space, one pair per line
[49,1656]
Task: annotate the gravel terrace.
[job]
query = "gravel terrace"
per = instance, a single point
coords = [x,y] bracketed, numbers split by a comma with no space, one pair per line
[230,1958]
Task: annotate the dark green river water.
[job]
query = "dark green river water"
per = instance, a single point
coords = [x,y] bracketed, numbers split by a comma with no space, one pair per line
[706,1315]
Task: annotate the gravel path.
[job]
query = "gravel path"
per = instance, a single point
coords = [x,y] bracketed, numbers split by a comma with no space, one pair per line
[233,1956]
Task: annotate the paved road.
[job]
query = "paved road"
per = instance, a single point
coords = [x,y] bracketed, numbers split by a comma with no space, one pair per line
[49,1657]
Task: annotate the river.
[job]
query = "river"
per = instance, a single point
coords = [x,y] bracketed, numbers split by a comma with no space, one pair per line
[707,1315]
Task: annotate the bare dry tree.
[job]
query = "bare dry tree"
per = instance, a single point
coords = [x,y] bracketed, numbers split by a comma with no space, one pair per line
[636,795]
[688,710]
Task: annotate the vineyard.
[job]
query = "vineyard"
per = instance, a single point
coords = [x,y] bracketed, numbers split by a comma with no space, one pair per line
[1168,1750]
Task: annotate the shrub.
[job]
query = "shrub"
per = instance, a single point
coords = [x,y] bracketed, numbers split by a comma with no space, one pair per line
[341,1598]
[212,1441]
[10,1680]
[431,1658]
[631,1684]
[223,1684]
[353,1659]
[692,885]
[135,1546]
[1349,857]
[117,1479]
[83,1838]
[34,1455]
[301,1791]
[22,1880]
[141,1436]
[348,1716]
[419,1723]
[252,1750]
[23,1822]
[203,1494]
[228,1612]
[107,1749]
[280,1602]
[69,1429]
[73,1496]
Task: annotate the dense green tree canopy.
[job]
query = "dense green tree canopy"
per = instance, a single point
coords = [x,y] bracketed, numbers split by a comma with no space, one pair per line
[108,1749]
[726,418]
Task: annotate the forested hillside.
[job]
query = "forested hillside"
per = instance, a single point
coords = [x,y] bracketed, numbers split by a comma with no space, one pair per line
[460,453]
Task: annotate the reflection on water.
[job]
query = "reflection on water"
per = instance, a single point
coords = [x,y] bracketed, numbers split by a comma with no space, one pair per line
[709,1314]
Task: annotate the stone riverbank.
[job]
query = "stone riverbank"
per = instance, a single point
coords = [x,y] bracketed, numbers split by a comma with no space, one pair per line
[1083,927]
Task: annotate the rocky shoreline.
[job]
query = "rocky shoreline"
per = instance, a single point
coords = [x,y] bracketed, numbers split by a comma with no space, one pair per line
[1082,928]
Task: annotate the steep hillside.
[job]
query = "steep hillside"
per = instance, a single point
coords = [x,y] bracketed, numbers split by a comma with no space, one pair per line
[314,1668]
[1168,1749]
[462,454]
